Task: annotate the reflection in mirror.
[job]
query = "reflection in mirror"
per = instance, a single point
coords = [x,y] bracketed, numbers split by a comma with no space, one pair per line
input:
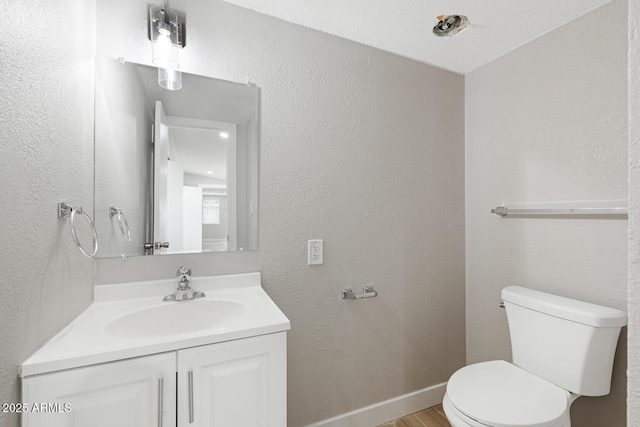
[178,168]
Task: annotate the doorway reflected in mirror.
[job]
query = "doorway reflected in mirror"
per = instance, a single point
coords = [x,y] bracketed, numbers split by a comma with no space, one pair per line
[183,165]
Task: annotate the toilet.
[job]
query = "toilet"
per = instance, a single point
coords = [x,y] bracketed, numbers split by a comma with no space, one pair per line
[561,348]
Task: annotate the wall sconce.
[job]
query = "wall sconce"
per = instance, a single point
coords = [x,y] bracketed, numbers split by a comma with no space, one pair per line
[166,34]
[170,79]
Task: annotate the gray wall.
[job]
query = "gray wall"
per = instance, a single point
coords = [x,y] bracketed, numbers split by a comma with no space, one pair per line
[633,388]
[123,168]
[247,183]
[356,170]
[361,148]
[548,122]
[46,135]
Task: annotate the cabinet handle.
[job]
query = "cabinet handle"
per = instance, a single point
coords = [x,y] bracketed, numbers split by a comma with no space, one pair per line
[190,375]
[160,400]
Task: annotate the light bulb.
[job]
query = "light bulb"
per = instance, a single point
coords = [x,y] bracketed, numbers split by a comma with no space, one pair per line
[165,54]
[164,27]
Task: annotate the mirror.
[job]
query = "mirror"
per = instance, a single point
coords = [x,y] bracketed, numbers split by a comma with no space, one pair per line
[175,171]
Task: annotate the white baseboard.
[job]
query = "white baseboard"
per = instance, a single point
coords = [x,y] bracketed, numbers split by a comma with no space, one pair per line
[381,412]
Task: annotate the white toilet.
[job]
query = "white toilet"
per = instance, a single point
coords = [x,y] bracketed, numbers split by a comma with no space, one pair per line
[562,348]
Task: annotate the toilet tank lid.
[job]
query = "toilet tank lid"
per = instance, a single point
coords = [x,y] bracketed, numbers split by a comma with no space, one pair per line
[565,308]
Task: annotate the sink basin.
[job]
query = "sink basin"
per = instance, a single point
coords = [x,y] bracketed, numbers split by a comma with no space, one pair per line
[174,318]
[129,320]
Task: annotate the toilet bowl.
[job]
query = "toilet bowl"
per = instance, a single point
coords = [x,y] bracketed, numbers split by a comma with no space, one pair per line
[500,394]
[562,348]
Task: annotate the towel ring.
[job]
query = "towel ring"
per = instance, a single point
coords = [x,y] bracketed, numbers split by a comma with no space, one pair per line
[65,210]
[122,222]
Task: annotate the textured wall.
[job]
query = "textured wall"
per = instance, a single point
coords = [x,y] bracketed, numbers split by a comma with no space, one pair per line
[633,388]
[46,135]
[548,122]
[361,148]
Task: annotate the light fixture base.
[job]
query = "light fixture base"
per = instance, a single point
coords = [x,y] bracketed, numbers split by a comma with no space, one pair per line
[450,25]
[168,23]
[166,32]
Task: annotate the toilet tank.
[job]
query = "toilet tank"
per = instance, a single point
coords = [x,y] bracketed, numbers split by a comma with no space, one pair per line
[567,342]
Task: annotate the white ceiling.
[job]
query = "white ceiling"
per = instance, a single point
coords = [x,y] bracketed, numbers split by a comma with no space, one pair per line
[202,98]
[200,151]
[405,27]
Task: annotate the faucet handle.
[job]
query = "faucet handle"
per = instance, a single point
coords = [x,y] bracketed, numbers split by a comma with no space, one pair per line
[184,271]
[184,291]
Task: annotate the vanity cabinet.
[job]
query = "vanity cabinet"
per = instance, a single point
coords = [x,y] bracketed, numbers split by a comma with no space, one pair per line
[127,393]
[235,383]
[232,383]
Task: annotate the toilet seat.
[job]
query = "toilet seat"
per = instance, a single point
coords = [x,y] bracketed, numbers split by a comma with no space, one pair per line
[500,394]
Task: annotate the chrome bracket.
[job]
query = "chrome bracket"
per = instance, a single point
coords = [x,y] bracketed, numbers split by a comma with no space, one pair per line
[65,209]
[367,292]
[500,210]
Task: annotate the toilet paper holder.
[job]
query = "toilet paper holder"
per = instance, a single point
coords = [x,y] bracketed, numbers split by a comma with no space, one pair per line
[367,292]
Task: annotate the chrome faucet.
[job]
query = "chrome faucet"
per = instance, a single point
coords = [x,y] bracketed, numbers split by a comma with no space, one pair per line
[184,291]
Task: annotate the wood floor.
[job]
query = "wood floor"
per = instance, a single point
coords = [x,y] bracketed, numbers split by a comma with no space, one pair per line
[430,417]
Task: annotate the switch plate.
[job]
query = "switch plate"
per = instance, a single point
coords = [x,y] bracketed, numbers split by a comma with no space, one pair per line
[314,252]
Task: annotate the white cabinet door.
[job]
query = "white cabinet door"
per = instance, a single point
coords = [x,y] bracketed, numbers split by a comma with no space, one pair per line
[236,383]
[138,392]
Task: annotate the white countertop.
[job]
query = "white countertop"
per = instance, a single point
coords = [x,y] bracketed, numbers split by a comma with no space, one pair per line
[87,341]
